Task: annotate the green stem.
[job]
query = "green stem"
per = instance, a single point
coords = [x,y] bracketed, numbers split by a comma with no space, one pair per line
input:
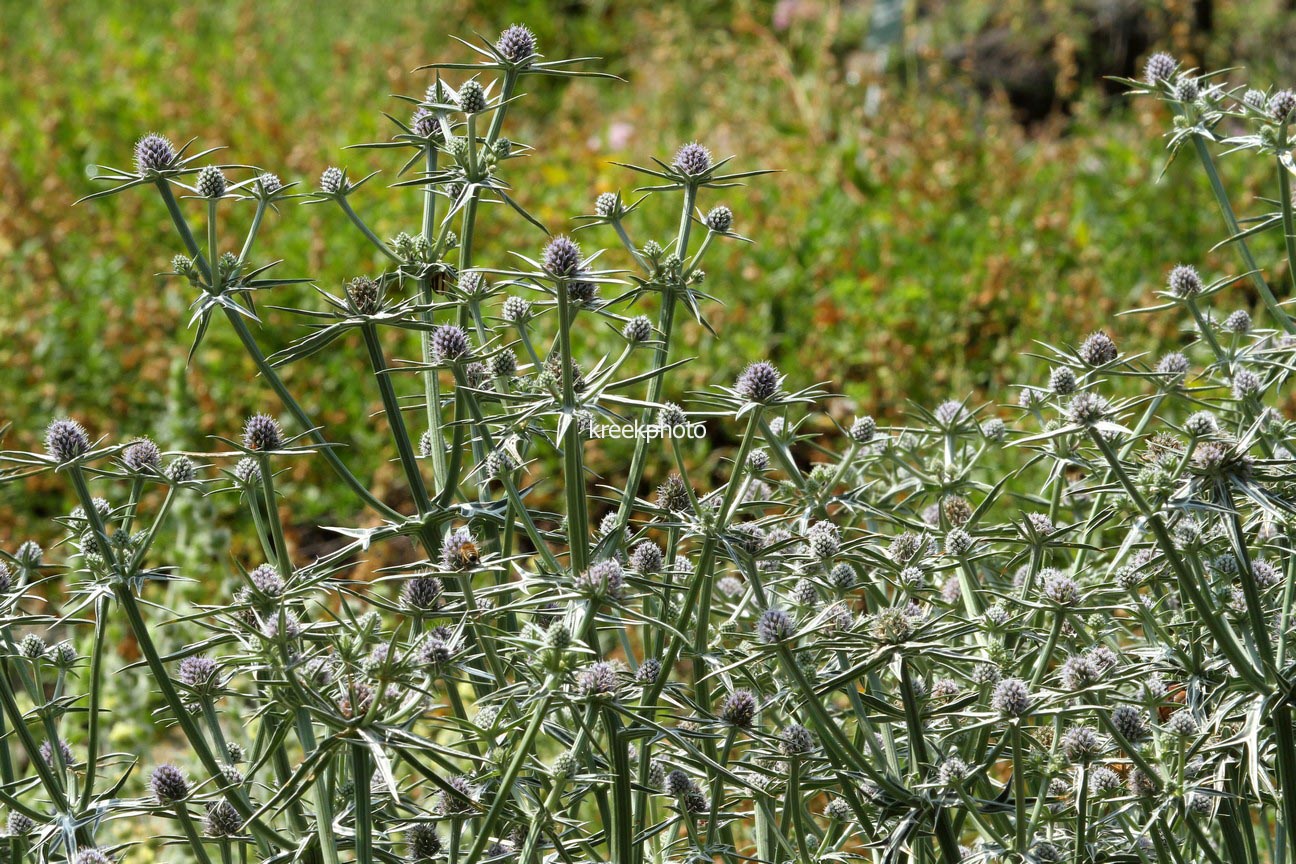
[191,832]
[1231,223]
[361,782]
[396,420]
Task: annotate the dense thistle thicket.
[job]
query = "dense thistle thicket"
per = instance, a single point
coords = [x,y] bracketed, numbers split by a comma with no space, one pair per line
[881,645]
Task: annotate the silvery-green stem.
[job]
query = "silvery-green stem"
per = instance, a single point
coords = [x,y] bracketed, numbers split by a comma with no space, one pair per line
[1231,223]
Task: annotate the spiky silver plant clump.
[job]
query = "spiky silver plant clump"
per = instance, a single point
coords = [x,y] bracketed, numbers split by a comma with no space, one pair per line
[1036,631]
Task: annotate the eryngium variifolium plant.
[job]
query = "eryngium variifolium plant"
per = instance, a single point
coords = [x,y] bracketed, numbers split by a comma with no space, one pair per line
[1062,632]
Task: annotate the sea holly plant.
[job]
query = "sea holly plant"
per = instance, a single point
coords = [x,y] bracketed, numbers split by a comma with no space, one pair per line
[1054,629]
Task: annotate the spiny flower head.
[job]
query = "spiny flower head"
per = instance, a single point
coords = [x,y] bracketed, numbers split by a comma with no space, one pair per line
[20,824]
[646,558]
[181,470]
[422,593]
[154,153]
[517,44]
[607,205]
[672,495]
[1238,323]
[1059,588]
[759,382]
[561,257]
[692,159]
[424,123]
[1182,723]
[142,456]
[333,181]
[1087,408]
[795,740]
[199,674]
[269,183]
[222,820]
[458,802]
[1281,106]
[739,708]
[66,440]
[603,579]
[169,784]
[450,342]
[637,329]
[364,295]
[1062,381]
[775,626]
[262,432]
[516,310]
[1159,68]
[1130,722]
[1184,281]
[459,551]
[953,771]
[719,219]
[1187,88]
[599,680]
[1011,697]
[1098,349]
[266,579]
[472,97]
[211,182]
[1081,744]
[862,430]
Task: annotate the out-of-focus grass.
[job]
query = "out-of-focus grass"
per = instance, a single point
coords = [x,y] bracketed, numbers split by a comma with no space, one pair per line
[917,239]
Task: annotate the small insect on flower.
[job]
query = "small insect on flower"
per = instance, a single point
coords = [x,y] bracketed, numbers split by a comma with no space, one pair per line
[459,551]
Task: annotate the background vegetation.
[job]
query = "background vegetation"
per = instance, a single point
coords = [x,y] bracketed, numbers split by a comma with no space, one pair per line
[956,180]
